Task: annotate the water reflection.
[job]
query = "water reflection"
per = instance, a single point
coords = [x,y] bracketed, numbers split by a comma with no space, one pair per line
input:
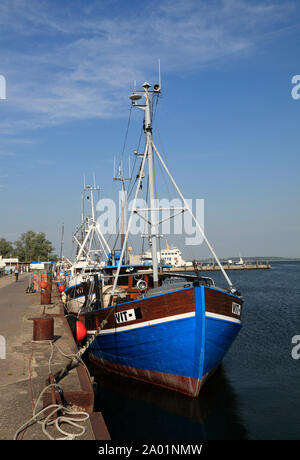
[134,410]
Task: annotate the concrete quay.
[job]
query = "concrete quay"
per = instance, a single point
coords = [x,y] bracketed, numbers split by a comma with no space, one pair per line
[25,366]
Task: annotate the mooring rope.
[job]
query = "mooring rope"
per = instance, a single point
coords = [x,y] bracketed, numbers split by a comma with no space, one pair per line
[76,358]
[79,416]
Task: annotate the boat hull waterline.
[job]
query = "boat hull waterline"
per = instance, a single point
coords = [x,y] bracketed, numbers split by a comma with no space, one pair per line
[174,340]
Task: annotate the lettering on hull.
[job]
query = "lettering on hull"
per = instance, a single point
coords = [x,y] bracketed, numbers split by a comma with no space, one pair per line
[236,308]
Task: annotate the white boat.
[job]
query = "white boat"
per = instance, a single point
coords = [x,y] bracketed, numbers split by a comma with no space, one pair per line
[169,256]
[240,262]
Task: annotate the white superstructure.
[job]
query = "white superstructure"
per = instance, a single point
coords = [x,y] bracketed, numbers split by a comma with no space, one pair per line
[169,256]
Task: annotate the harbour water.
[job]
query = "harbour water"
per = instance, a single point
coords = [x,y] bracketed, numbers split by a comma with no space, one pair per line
[255,394]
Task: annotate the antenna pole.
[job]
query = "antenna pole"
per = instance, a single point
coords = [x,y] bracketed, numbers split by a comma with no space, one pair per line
[62,242]
[159,79]
[92,205]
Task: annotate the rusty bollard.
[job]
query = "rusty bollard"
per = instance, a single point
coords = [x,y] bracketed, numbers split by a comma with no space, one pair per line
[43,328]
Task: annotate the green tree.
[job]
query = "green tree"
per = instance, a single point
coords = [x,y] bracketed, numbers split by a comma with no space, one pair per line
[33,246]
[6,248]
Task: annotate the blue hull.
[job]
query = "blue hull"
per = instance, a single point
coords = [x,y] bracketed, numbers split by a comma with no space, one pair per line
[178,352]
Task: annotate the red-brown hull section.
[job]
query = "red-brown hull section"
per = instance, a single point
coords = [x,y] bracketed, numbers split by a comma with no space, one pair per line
[184,385]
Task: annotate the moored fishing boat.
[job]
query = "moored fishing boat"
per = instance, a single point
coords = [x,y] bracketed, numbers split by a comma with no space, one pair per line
[171,335]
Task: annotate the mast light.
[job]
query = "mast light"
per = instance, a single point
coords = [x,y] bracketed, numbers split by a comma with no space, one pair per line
[146,85]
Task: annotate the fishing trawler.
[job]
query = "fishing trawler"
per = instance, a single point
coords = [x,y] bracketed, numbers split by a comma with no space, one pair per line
[172,335]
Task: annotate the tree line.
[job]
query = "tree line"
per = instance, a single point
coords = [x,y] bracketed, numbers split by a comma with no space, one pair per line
[28,247]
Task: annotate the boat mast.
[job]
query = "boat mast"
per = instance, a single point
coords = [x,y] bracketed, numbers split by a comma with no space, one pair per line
[123,206]
[82,210]
[149,141]
[91,229]
[62,241]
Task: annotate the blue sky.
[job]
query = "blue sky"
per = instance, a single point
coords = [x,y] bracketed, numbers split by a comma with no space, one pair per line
[227,122]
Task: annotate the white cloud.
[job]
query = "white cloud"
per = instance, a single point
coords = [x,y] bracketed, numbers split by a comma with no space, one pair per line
[64,63]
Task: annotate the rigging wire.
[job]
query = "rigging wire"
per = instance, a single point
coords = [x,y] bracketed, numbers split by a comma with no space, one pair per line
[126,135]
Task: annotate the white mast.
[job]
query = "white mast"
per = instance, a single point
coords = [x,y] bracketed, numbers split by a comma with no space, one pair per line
[122,179]
[148,133]
[62,242]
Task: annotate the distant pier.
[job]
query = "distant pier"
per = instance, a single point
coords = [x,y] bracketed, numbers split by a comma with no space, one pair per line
[214,267]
